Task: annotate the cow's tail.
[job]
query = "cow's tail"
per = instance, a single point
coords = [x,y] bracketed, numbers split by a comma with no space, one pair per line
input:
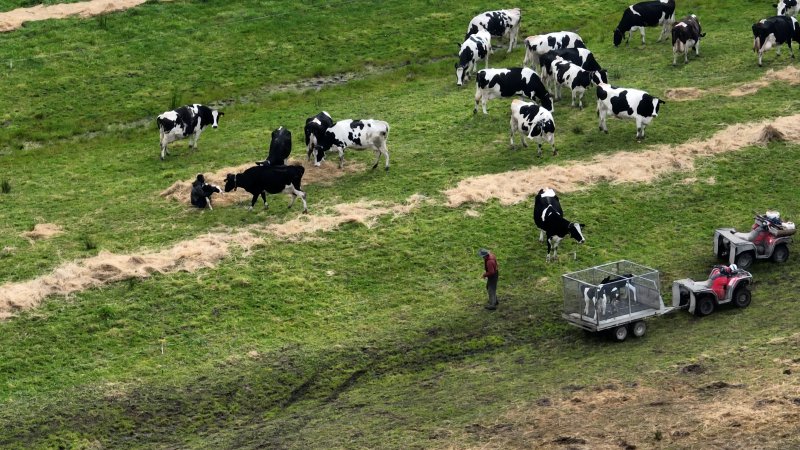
[756,37]
[159,124]
[298,179]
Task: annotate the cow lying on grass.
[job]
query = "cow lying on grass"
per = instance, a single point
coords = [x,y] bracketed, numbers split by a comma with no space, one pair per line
[202,192]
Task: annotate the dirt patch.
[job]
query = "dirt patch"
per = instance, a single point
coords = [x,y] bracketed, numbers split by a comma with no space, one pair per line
[187,256]
[42,231]
[621,167]
[678,416]
[323,175]
[683,94]
[12,20]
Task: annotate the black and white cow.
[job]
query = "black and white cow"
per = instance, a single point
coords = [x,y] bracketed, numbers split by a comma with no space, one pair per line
[607,294]
[474,49]
[280,147]
[315,128]
[685,35]
[355,134]
[645,14]
[787,7]
[201,193]
[571,76]
[263,180]
[502,23]
[189,120]
[549,218]
[533,122]
[624,103]
[494,83]
[536,46]
[582,57]
[774,32]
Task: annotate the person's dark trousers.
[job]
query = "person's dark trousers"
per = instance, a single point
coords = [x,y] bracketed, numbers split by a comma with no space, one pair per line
[491,288]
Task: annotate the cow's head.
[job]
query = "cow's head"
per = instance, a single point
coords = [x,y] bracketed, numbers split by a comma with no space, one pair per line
[658,102]
[547,102]
[214,188]
[600,76]
[462,74]
[618,35]
[781,7]
[216,115]
[230,183]
[576,232]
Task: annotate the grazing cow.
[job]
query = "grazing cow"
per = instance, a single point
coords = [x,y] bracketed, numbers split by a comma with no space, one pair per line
[189,120]
[625,103]
[315,127]
[582,57]
[475,48]
[261,180]
[685,35]
[645,14]
[787,7]
[356,134]
[569,75]
[493,83]
[279,148]
[533,122]
[536,46]
[202,192]
[502,23]
[549,218]
[774,32]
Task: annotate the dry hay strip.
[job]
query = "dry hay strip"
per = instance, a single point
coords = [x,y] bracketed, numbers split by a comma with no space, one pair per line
[621,167]
[788,75]
[323,175]
[12,20]
[188,256]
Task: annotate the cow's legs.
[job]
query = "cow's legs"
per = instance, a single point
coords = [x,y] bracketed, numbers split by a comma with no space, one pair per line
[296,192]
[791,50]
[383,150]
[602,115]
[539,143]
[513,124]
[208,201]
[641,30]
[341,157]
[253,202]
[477,99]
[552,139]
[512,39]
[640,129]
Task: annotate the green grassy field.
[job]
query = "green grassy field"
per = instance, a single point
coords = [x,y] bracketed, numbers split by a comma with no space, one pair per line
[361,337]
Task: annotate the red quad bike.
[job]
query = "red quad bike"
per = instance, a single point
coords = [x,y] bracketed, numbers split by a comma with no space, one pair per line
[768,239]
[725,284]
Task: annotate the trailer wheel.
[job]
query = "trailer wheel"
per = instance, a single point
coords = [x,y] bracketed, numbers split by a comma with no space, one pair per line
[745,259]
[741,297]
[780,254]
[620,333]
[639,328]
[704,306]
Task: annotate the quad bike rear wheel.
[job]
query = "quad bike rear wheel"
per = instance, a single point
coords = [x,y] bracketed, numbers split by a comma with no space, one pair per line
[780,254]
[704,306]
[745,259]
[742,297]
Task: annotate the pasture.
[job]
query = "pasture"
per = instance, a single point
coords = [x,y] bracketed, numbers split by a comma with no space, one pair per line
[361,325]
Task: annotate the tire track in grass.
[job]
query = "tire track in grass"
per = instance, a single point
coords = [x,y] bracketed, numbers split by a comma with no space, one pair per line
[621,167]
[186,256]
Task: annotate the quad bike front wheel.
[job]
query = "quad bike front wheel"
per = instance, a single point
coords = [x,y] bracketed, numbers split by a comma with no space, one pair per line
[780,254]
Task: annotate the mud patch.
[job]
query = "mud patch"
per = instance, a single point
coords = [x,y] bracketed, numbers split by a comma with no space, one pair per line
[621,167]
[678,416]
[12,20]
[323,176]
[42,231]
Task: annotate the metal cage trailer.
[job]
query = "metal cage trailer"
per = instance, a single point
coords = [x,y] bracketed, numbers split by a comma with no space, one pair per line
[616,297]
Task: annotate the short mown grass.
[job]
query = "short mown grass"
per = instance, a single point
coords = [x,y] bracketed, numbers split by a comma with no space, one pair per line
[362,337]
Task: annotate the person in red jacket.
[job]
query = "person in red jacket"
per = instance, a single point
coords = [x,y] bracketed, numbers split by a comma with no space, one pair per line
[491,274]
